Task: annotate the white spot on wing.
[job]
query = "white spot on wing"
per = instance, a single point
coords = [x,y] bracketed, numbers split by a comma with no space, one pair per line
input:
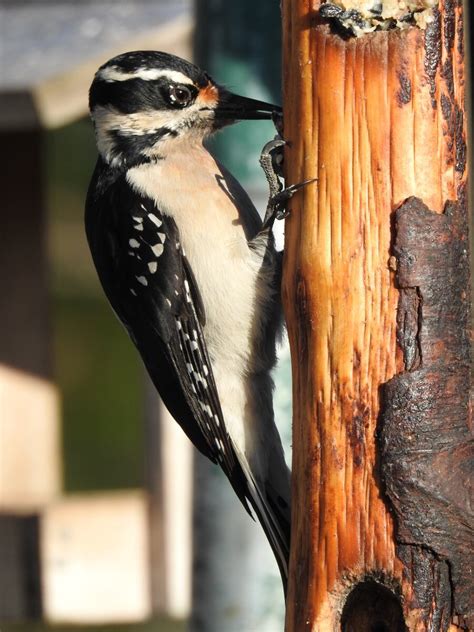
[142,280]
[186,287]
[152,266]
[134,243]
[153,218]
[157,249]
[201,379]
[206,408]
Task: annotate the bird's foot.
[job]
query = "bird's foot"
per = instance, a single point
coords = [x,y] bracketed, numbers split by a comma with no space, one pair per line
[276,207]
[271,161]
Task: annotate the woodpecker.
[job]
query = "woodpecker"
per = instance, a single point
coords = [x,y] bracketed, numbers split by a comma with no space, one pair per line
[190,269]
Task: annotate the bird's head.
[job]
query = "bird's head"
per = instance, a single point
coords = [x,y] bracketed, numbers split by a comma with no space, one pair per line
[143,103]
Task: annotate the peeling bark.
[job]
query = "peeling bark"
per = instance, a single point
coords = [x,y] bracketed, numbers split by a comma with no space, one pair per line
[427,451]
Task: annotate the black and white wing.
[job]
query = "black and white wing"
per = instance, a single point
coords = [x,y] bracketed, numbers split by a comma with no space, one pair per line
[151,287]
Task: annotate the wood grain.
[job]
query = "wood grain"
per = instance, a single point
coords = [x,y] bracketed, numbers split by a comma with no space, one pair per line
[376,120]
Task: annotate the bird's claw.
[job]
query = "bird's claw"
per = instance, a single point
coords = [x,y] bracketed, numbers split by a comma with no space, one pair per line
[276,208]
[271,161]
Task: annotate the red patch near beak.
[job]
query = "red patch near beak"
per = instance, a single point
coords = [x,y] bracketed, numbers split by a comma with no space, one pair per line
[209,95]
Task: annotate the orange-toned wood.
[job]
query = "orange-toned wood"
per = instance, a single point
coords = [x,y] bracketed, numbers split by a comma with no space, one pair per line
[365,117]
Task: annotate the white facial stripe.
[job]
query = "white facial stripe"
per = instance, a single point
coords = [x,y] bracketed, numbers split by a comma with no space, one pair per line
[113,73]
[190,123]
[146,122]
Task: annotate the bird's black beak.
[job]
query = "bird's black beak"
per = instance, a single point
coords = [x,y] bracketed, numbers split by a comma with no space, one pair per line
[232,107]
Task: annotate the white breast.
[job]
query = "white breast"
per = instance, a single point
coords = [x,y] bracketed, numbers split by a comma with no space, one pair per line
[189,186]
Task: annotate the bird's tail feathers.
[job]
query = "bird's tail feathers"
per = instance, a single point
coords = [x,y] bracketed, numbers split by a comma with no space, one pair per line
[274,521]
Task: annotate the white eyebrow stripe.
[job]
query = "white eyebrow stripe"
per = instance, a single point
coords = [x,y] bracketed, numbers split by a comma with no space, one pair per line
[113,73]
[147,122]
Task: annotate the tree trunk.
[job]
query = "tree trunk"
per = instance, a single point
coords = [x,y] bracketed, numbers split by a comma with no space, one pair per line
[376,294]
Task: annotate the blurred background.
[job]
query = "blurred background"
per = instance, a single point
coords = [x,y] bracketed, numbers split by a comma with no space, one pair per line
[109,520]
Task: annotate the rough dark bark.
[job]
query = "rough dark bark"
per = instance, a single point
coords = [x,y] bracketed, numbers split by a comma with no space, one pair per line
[427,451]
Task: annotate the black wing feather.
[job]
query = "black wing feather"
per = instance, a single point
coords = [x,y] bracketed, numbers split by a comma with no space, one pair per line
[151,287]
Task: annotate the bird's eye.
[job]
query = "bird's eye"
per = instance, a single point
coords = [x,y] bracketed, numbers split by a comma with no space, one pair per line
[179,96]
